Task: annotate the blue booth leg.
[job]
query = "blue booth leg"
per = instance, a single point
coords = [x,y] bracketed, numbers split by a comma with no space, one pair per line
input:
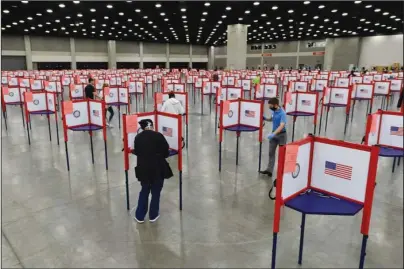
[363,251]
[301,239]
[127,189]
[92,148]
[274,243]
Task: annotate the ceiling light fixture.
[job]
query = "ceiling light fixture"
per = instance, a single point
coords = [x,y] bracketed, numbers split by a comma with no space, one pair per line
[61,5]
[207,4]
[321,6]
[290,11]
[358,2]
[49,10]
[344,14]
[274,8]
[137,10]
[158,5]
[368,6]
[377,10]
[76,2]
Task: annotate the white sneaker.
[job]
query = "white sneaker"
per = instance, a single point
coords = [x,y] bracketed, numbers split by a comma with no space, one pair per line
[156,218]
[138,221]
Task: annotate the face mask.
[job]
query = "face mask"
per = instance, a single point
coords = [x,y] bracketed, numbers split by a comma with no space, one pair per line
[272,108]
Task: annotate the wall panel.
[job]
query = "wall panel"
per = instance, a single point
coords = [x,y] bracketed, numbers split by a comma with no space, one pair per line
[178,49]
[199,50]
[41,43]
[220,63]
[13,63]
[12,43]
[91,45]
[311,60]
[381,50]
[154,48]
[284,61]
[221,50]
[304,45]
[127,47]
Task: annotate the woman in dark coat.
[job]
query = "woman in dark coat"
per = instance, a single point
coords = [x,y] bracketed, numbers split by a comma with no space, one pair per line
[151,149]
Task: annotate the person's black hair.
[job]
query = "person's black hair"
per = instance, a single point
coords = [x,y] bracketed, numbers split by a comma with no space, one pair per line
[90,80]
[171,95]
[145,123]
[273,101]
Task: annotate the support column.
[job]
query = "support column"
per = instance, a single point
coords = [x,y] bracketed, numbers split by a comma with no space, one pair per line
[141,55]
[329,53]
[298,54]
[190,56]
[167,55]
[211,58]
[237,46]
[111,54]
[262,56]
[73,53]
[28,52]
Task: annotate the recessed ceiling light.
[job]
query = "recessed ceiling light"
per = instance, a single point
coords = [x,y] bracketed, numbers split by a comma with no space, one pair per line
[228,8]
[362,19]
[290,11]
[247,12]
[21,21]
[278,18]
[61,5]
[29,18]
[39,14]
[145,17]
[344,14]
[207,4]
[290,20]
[368,6]
[334,10]
[57,21]
[377,10]
[49,10]
[165,19]
[26,30]
[240,19]
[336,22]
[76,2]
[204,13]
[385,13]
[306,2]
[24,2]
[326,20]
[79,15]
[305,14]
[263,15]
[256,3]
[47,32]
[137,10]
[321,6]
[109,6]
[33,28]
[203,19]
[315,17]
[397,19]
[158,5]
[302,22]
[93,20]
[358,2]
[6,11]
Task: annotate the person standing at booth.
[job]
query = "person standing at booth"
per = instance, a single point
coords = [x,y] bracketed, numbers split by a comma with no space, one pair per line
[151,149]
[172,105]
[278,136]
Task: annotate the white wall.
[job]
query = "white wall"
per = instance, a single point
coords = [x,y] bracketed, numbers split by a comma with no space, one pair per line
[381,50]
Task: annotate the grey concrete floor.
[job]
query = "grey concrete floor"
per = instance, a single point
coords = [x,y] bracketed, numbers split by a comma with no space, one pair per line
[52,218]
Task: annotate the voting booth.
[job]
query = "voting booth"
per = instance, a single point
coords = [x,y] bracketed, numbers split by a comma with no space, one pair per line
[382,89]
[209,88]
[301,104]
[77,91]
[169,125]
[385,130]
[174,87]
[160,98]
[137,88]
[266,91]
[40,103]
[362,92]
[246,85]
[226,93]
[298,86]
[117,96]
[318,84]
[335,97]
[320,176]
[12,96]
[85,116]
[241,116]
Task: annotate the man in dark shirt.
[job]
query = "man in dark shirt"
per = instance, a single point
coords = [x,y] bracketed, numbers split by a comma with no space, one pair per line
[90,89]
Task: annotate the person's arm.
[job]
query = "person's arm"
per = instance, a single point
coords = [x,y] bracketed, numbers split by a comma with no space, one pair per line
[89,92]
[164,107]
[181,110]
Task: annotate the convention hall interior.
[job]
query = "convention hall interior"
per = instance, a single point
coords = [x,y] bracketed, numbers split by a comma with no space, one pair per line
[202,134]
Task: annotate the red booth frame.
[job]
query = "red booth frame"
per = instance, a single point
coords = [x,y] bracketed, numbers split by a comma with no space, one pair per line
[217,104]
[367,204]
[119,102]
[186,111]
[47,113]
[260,130]
[104,131]
[294,117]
[127,151]
[4,104]
[370,100]
[136,94]
[347,108]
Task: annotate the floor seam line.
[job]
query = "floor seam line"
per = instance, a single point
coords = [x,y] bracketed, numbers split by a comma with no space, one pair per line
[12,249]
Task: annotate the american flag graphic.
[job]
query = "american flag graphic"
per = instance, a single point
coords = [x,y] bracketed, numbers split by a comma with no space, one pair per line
[306,102]
[249,113]
[339,95]
[96,113]
[167,131]
[395,130]
[338,170]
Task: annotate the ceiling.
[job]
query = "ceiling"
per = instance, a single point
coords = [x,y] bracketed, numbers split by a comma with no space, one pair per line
[201,22]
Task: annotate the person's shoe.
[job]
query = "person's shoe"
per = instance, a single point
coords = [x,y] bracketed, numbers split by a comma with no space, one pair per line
[138,221]
[156,218]
[264,172]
